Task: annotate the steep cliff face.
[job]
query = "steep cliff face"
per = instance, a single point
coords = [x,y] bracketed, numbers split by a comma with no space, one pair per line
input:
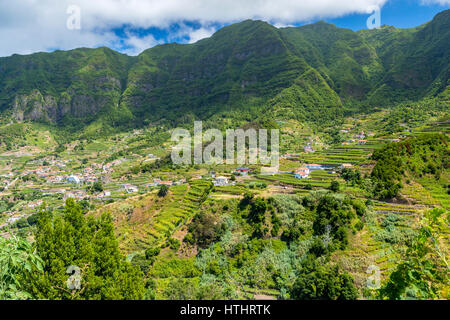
[61,87]
[305,70]
[35,107]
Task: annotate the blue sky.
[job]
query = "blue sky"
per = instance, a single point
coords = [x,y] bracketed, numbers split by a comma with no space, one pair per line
[131,26]
[399,13]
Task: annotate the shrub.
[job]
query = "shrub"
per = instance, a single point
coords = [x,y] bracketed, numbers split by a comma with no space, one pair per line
[163,191]
[189,238]
[335,186]
[206,228]
[324,283]
[174,244]
[152,252]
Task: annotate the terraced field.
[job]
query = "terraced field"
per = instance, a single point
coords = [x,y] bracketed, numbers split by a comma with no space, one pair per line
[389,208]
[353,154]
[177,213]
[419,195]
[290,180]
[438,190]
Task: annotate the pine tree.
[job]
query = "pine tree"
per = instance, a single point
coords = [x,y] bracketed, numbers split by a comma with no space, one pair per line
[75,247]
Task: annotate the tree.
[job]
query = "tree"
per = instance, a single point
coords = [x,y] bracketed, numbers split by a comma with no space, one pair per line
[88,247]
[335,186]
[206,228]
[152,253]
[163,191]
[257,210]
[324,283]
[424,267]
[352,176]
[95,187]
[18,261]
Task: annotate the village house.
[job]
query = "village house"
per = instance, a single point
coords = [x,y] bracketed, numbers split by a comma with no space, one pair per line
[159,182]
[103,195]
[309,149]
[77,195]
[289,155]
[243,171]
[346,166]
[314,166]
[396,140]
[54,179]
[302,173]
[362,142]
[151,157]
[129,188]
[35,204]
[149,185]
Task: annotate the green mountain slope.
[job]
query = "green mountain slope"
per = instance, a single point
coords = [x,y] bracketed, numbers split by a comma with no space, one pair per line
[417,61]
[242,64]
[311,72]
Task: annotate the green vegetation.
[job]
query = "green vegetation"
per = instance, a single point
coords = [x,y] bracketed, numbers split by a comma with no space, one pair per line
[420,277]
[91,247]
[368,110]
[316,74]
[18,262]
[415,157]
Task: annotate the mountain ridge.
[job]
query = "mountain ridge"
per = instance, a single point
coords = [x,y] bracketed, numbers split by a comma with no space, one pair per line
[242,68]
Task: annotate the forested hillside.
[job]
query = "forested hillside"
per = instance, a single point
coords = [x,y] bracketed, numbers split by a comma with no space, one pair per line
[239,71]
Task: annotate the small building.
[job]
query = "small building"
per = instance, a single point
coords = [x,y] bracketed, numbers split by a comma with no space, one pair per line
[346,166]
[396,140]
[309,149]
[151,157]
[243,171]
[302,173]
[362,142]
[103,195]
[289,155]
[131,189]
[159,182]
[314,166]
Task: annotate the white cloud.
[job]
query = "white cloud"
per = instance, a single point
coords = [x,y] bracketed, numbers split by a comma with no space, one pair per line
[40,25]
[135,44]
[202,33]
